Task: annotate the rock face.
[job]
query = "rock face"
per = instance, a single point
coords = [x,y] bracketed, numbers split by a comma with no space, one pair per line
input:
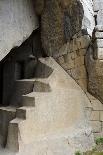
[17,21]
[60,20]
[73,16]
[39,6]
[52,32]
[94,58]
[95,75]
[59,24]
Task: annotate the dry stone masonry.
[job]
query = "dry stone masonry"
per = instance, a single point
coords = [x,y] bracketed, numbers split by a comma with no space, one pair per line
[95,55]
[73,59]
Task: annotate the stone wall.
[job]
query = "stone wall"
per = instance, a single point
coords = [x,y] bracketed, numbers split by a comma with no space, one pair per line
[95,55]
[61,20]
[66,30]
[67,34]
[95,112]
[73,59]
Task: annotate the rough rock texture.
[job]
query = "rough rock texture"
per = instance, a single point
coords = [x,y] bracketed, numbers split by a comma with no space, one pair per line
[73,16]
[73,59]
[97,5]
[17,21]
[95,75]
[94,57]
[52,31]
[39,6]
[59,24]
[60,20]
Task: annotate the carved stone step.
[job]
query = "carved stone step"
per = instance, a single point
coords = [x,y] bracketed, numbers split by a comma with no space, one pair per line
[25,112]
[14,138]
[6,115]
[28,101]
[41,87]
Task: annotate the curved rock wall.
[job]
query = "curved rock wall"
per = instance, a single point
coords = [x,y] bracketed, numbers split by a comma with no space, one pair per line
[17,21]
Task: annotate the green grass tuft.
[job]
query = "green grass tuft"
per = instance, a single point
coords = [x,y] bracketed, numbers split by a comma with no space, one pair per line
[99,140]
[78,153]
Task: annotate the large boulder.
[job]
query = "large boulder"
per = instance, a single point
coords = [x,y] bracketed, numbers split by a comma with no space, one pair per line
[39,6]
[52,28]
[61,20]
[17,22]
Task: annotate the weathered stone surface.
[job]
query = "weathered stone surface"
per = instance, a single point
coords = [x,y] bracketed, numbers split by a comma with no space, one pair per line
[95,116]
[96,126]
[99,28]
[98,47]
[99,17]
[98,53]
[95,75]
[52,32]
[96,105]
[99,35]
[88,20]
[101,116]
[98,5]
[17,22]
[95,113]
[6,115]
[98,43]
[39,6]
[83,42]
[83,83]
[73,16]
[34,127]
[61,20]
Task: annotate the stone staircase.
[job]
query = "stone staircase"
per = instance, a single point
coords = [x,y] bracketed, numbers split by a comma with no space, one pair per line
[22,91]
[49,104]
[6,115]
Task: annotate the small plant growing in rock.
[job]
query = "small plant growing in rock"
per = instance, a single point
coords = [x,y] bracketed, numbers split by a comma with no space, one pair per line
[99,140]
[94,149]
[78,153]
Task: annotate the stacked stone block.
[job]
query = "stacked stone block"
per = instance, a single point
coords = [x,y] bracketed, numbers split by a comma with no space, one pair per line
[98,33]
[73,59]
[98,43]
[95,111]
[97,5]
[94,57]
